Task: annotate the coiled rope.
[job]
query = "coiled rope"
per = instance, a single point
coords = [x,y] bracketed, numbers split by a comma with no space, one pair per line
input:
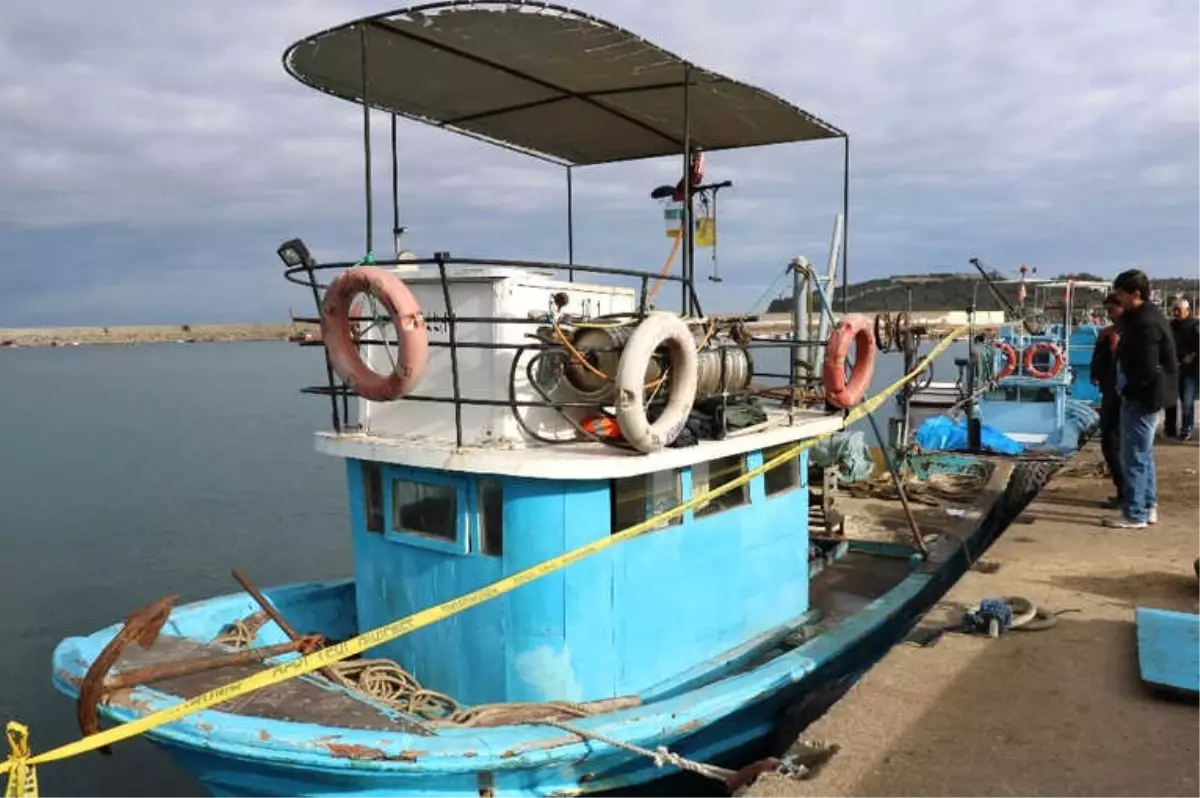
[386,681]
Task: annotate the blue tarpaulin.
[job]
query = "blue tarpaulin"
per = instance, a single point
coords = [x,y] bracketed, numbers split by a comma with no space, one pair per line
[944,434]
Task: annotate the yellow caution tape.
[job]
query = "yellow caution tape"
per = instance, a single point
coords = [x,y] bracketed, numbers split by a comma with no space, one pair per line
[23,779]
[21,764]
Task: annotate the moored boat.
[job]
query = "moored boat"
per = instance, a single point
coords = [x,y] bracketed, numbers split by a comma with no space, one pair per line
[606,517]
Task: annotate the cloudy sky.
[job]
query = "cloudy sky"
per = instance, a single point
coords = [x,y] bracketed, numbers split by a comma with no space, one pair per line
[154,154]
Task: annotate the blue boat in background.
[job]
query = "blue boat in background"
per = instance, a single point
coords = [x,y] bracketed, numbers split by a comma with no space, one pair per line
[1027,386]
[552,440]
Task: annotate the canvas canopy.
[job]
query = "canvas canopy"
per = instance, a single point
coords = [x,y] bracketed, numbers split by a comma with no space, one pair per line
[545,80]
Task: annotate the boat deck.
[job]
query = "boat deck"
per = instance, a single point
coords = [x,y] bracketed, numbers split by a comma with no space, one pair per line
[1058,712]
[839,590]
[576,459]
[301,700]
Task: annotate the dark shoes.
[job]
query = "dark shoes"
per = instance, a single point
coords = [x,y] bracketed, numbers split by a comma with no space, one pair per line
[1112,504]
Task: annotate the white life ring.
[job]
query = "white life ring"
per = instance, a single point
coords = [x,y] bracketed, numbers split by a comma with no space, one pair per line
[656,328]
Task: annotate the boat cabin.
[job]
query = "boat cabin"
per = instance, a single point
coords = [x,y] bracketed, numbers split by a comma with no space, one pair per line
[432,520]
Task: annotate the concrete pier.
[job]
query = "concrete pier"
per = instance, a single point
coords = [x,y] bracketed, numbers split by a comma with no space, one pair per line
[1055,712]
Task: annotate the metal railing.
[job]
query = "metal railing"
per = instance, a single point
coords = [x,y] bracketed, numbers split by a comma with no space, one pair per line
[335,389]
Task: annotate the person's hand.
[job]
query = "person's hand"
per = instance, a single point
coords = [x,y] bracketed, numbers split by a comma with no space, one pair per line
[1188,358]
[1095,382]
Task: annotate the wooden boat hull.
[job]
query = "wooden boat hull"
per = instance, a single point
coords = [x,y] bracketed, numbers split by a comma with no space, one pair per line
[736,706]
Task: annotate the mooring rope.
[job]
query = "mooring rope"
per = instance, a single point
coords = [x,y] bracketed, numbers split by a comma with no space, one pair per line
[661,756]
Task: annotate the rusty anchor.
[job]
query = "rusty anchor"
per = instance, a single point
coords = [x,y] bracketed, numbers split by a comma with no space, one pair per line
[143,626]
[173,669]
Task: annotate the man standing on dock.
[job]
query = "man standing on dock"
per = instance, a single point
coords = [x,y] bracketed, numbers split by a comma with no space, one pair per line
[1148,381]
[1186,329]
[1104,377]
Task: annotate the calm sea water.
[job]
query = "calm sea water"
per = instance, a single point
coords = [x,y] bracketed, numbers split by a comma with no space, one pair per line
[130,473]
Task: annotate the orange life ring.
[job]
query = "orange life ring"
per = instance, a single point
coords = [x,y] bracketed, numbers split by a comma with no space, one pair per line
[1010,359]
[856,329]
[339,333]
[1055,368]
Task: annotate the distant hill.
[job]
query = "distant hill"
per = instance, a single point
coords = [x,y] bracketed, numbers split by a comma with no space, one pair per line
[942,292]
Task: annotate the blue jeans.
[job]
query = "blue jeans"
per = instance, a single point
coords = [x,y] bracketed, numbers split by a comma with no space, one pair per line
[1188,388]
[1137,460]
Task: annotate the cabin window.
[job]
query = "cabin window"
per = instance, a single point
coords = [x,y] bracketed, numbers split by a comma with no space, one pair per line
[372,485]
[784,477]
[635,499]
[490,497]
[425,509]
[712,475]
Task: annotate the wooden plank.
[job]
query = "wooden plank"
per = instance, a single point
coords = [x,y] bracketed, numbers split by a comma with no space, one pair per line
[1169,648]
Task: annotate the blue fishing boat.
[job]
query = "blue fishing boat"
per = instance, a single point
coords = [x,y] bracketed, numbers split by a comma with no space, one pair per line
[1024,388]
[582,550]
[1066,325]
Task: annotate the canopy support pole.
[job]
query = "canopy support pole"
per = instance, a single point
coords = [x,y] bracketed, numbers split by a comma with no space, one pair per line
[846,225]
[397,230]
[362,37]
[570,226]
[688,251]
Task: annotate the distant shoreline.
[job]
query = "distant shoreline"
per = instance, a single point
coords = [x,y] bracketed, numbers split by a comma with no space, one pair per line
[152,334]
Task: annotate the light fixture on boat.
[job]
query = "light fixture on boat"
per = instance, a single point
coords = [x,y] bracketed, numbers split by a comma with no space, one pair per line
[294,253]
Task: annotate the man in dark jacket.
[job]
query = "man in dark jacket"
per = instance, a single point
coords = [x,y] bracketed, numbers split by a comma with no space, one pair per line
[1104,377]
[1148,381]
[1186,330]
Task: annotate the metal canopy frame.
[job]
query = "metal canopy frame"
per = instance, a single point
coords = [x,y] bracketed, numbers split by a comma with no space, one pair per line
[339,61]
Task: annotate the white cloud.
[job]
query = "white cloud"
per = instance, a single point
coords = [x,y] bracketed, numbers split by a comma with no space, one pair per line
[1019,130]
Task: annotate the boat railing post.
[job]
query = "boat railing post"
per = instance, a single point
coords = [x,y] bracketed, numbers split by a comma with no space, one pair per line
[452,333]
[795,347]
[316,292]
[802,314]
